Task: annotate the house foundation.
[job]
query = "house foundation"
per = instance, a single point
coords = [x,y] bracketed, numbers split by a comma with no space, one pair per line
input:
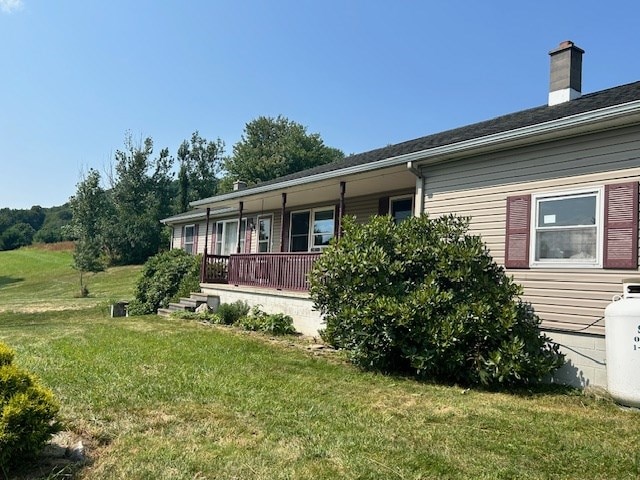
[297,305]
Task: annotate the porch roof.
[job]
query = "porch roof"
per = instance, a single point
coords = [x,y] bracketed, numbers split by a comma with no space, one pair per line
[198,215]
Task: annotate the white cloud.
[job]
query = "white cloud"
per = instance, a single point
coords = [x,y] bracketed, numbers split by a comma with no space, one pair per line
[9,6]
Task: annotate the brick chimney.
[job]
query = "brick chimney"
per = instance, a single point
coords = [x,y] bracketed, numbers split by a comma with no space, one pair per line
[566,73]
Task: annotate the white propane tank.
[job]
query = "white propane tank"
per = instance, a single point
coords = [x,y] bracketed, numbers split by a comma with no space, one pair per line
[622,340]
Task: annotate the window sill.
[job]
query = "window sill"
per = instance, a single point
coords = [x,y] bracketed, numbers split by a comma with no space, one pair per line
[565,265]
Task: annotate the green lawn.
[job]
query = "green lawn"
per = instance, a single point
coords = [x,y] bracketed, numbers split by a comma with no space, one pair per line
[37,279]
[170,399]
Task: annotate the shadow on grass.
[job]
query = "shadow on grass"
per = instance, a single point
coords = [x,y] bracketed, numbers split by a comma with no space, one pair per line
[9,280]
[541,389]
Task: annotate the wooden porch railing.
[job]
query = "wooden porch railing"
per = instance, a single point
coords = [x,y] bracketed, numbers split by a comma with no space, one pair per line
[281,271]
[215,269]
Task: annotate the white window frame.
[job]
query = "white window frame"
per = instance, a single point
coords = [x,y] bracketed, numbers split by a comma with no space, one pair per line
[192,243]
[270,240]
[401,197]
[311,246]
[220,239]
[599,226]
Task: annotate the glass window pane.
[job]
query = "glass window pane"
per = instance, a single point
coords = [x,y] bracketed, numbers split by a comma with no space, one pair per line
[230,242]
[300,223]
[264,234]
[264,229]
[575,244]
[569,211]
[401,209]
[322,240]
[299,243]
[188,234]
[323,222]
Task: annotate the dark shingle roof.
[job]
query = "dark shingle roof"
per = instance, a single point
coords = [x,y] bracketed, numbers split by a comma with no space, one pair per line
[586,103]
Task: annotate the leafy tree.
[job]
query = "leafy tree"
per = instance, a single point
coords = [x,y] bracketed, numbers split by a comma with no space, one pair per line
[88,205]
[200,163]
[54,227]
[18,226]
[274,147]
[16,236]
[141,195]
[424,297]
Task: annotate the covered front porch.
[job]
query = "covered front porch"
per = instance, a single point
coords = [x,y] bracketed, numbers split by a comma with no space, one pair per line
[259,244]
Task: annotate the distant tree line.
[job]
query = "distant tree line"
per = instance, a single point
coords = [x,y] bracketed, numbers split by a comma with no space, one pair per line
[116,220]
[114,217]
[21,227]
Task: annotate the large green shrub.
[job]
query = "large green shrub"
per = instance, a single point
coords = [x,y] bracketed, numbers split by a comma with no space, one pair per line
[27,413]
[164,278]
[425,297]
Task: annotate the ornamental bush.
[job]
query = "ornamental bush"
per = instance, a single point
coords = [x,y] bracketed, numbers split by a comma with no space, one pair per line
[231,313]
[424,297]
[164,278]
[27,413]
[273,324]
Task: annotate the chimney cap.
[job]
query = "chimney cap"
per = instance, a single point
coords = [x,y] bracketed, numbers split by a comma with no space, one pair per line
[567,44]
[239,185]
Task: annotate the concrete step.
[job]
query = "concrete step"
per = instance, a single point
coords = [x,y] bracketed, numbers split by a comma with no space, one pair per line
[164,312]
[212,300]
[192,302]
[180,307]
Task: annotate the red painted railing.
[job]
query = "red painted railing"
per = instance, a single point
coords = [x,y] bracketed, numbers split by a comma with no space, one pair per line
[215,269]
[281,271]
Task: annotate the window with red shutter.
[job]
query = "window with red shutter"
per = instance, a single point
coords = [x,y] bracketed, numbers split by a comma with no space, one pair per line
[592,228]
[518,230]
[621,226]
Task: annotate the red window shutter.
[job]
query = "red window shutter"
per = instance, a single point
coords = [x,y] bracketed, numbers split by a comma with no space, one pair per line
[518,232]
[195,239]
[621,226]
[383,206]
[182,238]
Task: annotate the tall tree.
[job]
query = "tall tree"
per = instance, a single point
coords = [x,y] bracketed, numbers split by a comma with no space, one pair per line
[200,163]
[274,147]
[87,226]
[141,196]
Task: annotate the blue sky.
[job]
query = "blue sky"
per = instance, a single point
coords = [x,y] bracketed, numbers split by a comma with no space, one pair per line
[78,74]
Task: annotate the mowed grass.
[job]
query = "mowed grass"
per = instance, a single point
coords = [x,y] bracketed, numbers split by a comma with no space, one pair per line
[171,399]
[41,278]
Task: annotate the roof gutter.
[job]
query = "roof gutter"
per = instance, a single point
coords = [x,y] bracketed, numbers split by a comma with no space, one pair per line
[424,156]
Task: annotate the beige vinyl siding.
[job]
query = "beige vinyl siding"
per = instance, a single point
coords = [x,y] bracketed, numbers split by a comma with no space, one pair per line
[478,187]
[363,208]
[176,240]
[202,228]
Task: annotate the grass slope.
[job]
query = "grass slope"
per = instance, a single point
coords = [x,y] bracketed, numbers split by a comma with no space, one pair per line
[169,399]
[37,278]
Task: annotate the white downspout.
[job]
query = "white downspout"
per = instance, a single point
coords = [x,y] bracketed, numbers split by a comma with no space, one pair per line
[419,195]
